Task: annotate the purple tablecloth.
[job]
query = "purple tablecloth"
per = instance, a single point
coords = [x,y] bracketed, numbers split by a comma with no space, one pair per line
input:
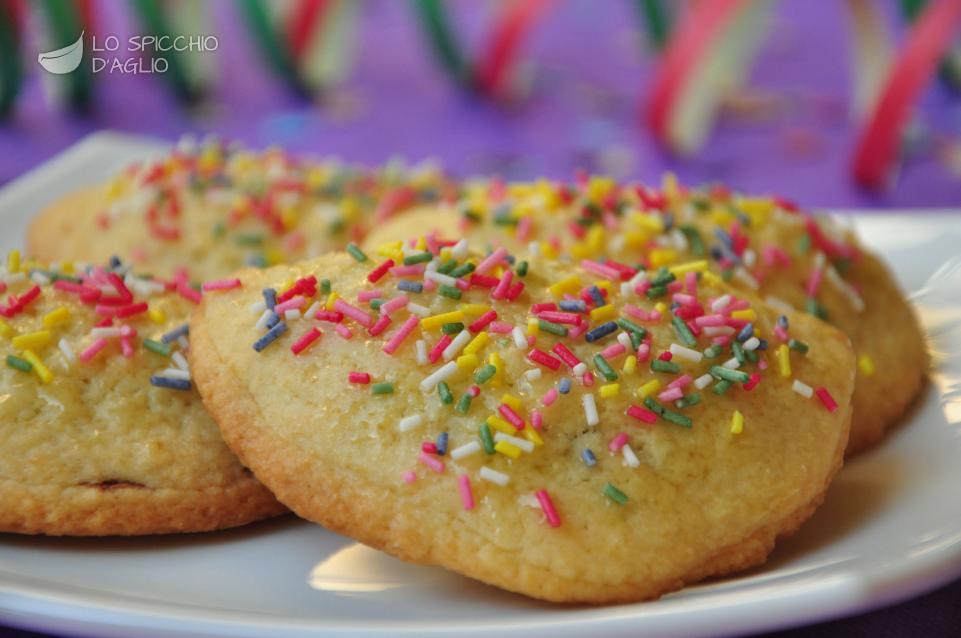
[588,83]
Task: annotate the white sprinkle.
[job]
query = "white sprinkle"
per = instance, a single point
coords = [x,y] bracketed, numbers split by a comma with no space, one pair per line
[257,307]
[438,375]
[626,288]
[752,343]
[459,250]
[746,278]
[312,311]
[15,277]
[703,381]
[519,339]
[264,318]
[532,374]
[494,476]
[410,422]
[853,297]
[714,331]
[803,389]
[418,309]
[721,303]
[174,373]
[183,343]
[109,332]
[732,364]
[534,248]
[590,409]
[465,450]
[39,278]
[180,360]
[440,278]
[291,314]
[678,350]
[579,370]
[67,351]
[420,347]
[749,257]
[629,457]
[778,303]
[625,340]
[462,339]
[524,444]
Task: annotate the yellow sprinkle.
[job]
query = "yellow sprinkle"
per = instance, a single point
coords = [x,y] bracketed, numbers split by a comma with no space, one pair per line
[500,424]
[866,365]
[605,285]
[38,367]
[670,186]
[691,266]
[32,340]
[712,279]
[444,253]
[548,250]
[595,238]
[474,309]
[630,363]
[495,360]
[784,360]
[436,321]
[156,315]
[55,317]
[512,401]
[747,313]
[390,249]
[477,343]
[737,422]
[13,261]
[533,326]
[661,307]
[662,257]
[604,313]
[421,244]
[288,217]
[332,297]
[467,361]
[274,256]
[610,390]
[531,435]
[507,449]
[568,285]
[648,389]
[5,330]
[67,267]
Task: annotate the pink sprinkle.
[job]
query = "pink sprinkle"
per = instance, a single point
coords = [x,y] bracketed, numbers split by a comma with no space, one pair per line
[93,349]
[737,304]
[547,506]
[617,442]
[524,229]
[721,340]
[435,353]
[549,397]
[565,354]
[600,269]
[188,293]
[826,399]
[430,285]
[577,330]
[675,286]
[539,356]
[568,318]
[642,286]
[512,417]
[710,320]
[473,391]
[394,304]
[641,315]
[221,284]
[537,420]
[358,377]
[304,342]
[343,330]
[433,463]
[670,394]
[643,352]
[429,446]
[407,271]
[379,326]
[354,313]
[290,304]
[538,308]
[690,283]
[685,300]
[409,476]
[126,346]
[366,295]
[499,327]
[488,263]
[814,282]
[402,333]
[762,364]
[327,315]
[588,379]
[752,382]
[500,291]
[613,351]
[641,414]
[781,333]
[466,495]
[483,321]
[681,381]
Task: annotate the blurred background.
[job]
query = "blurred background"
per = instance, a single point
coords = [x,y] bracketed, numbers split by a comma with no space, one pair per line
[786,93]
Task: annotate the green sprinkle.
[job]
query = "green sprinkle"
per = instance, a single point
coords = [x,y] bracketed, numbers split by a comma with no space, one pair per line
[417,258]
[739,352]
[812,307]
[604,367]
[157,346]
[447,266]
[486,439]
[382,388]
[551,327]
[663,277]
[463,269]
[683,332]
[653,406]
[471,215]
[614,494]
[521,269]
[804,243]
[325,286]
[463,405]
[219,230]
[375,304]
[694,240]
[257,260]
[734,376]
[677,418]
[249,239]
[727,275]
[688,400]
[721,387]
[445,394]
[665,366]
[656,291]
[356,252]
[842,265]
[59,276]
[800,346]
[20,364]
[485,373]
[631,327]
[505,219]
[336,226]
[451,292]
[751,355]
[452,328]
[712,351]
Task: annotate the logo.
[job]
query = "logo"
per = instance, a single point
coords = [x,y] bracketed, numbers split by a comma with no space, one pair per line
[63,60]
[142,53]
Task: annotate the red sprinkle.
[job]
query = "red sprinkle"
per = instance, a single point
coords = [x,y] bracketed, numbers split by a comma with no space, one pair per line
[438,349]
[665,356]
[483,321]
[358,377]
[641,414]
[752,382]
[380,271]
[379,326]
[539,356]
[329,315]
[309,337]
[827,399]
[547,506]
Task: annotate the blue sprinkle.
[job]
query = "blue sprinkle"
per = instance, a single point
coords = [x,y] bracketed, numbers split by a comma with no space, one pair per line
[270,336]
[782,321]
[176,333]
[601,331]
[596,296]
[273,321]
[167,382]
[722,235]
[668,220]
[270,298]
[564,386]
[410,286]
[572,305]
[115,262]
[746,333]
[762,345]
[589,459]
[442,444]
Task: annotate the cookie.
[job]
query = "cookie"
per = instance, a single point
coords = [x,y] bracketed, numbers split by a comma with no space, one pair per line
[537,427]
[764,245]
[101,431]
[214,209]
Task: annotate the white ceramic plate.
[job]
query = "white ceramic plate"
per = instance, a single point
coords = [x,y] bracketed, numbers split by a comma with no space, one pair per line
[890,529]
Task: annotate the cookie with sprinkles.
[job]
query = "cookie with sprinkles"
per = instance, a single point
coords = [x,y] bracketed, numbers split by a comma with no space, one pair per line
[764,245]
[571,436]
[101,430]
[215,208]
